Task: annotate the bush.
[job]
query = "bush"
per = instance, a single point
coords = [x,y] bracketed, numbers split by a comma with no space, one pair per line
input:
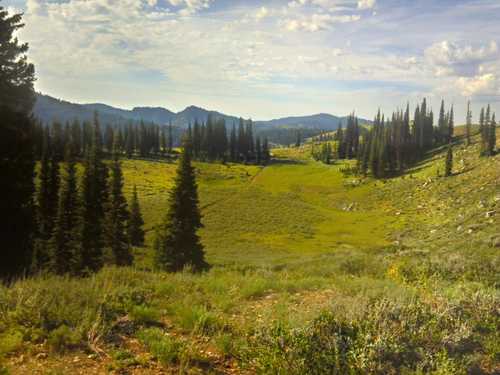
[63,338]
[166,349]
[385,337]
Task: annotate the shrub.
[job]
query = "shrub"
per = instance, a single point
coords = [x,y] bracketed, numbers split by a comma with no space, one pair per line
[63,338]
[166,349]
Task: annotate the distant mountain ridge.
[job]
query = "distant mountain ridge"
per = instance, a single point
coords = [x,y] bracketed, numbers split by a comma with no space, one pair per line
[49,109]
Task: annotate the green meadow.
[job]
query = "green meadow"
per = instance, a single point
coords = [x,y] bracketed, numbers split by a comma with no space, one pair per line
[386,277]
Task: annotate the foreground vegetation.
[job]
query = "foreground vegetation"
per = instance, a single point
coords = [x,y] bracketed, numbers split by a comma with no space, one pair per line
[314,272]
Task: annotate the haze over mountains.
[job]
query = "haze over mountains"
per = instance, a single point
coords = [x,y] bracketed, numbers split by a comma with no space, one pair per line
[48,109]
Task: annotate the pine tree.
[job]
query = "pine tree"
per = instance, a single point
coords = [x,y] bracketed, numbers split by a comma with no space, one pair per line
[170,140]
[117,216]
[46,198]
[258,150]
[451,126]
[94,194]
[448,167]
[17,145]
[136,223]
[233,146]
[16,192]
[177,244]
[65,243]
[266,154]
[492,138]
[468,125]
[16,74]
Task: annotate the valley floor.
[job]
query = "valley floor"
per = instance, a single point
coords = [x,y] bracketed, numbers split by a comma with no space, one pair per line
[313,272]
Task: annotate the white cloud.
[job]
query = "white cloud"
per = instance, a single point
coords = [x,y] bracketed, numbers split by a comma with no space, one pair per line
[486,84]
[366,4]
[263,12]
[318,22]
[451,58]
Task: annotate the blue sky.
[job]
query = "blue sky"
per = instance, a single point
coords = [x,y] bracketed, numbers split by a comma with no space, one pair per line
[266,59]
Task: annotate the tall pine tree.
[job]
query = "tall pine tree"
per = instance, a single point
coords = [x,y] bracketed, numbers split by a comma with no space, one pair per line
[117,216]
[94,194]
[177,243]
[136,222]
[65,244]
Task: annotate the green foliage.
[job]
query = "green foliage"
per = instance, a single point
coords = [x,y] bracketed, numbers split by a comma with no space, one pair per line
[94,195]
[166,349]
[177,243]
[448,167]
[136,222]
[142,314]
[117,216]
[17,86]
[63,338]
[65,242]
[10,341]
[383,337]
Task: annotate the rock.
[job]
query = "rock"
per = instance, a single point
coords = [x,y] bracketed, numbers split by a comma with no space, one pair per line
[490,213]
[459,228]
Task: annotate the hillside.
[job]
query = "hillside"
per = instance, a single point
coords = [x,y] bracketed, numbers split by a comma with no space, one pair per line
[393,276]
[49,109]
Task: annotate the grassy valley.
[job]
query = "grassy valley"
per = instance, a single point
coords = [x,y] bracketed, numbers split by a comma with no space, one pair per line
[312,270]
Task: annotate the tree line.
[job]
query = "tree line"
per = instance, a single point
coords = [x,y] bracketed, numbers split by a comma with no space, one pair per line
[392,144]
[76,220]
[210,142]
[84,224]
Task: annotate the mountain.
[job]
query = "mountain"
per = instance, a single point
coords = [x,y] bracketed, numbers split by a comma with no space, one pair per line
[49,109]
[320,121]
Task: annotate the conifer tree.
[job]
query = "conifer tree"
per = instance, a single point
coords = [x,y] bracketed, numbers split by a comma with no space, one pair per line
[468,125]
[258,150]
[94,194]
[170,140]
[136,223]
[17,145]
[177,243]
[233,151]
[492,137]
[16,74]
[451,126]
[117,216]
[65,243]
[448,167]
[266,154]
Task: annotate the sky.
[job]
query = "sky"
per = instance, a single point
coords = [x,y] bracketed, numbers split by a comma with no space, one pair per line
[266,59]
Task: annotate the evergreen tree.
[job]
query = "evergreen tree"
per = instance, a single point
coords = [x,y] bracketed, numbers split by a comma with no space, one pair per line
[16,74]
[17,145]
[468,125]
[117,216]
[233,146]
[448,167]
[94,194]
[16,191]
[266,154]
[492,137]
[258,150]
[170,141]
[65,243]
[177,244]
[451,126]
[136,223]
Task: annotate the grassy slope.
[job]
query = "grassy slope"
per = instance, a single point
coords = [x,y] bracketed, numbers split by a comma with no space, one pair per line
[288,241]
